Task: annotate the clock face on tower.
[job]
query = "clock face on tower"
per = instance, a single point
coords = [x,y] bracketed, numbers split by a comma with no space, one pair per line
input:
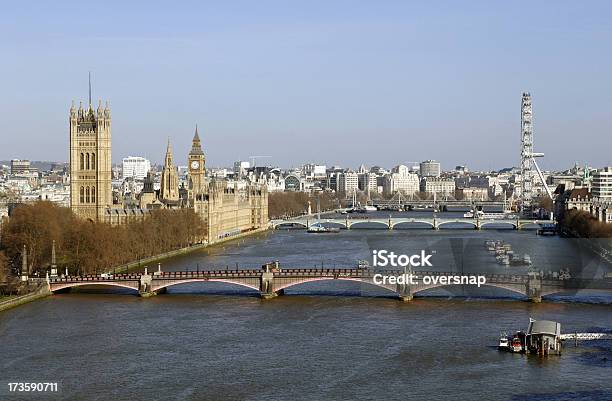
[195,165]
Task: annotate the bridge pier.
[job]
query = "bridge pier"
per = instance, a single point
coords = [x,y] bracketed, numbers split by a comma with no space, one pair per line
[266,285]
[404,292]
[405,298]
[268,295]
[272,295]
[533,288]
[145,285]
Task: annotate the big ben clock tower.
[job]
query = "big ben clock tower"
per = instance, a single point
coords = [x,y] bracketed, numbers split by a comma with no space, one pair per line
[197,165]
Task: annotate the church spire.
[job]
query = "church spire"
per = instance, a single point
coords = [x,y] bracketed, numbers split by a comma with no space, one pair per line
[169,178]
[169,155]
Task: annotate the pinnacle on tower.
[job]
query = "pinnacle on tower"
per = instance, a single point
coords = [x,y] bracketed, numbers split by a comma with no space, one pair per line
[90,89]
[169,155]
[196,146]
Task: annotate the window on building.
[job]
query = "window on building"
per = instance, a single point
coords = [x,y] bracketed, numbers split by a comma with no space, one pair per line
[87,160]
[87,198]
[82,161]
[93,161]
[82,192]
[93,194]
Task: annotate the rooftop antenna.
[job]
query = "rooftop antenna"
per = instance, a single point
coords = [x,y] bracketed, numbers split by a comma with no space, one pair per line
[90,89]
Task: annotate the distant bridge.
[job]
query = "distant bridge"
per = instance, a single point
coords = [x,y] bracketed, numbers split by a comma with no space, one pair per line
[418,222]
[269,283]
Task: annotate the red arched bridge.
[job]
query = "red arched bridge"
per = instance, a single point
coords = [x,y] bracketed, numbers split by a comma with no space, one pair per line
[271,281]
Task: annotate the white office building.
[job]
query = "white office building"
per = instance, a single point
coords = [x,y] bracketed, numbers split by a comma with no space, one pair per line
[314,170]
[406,183]
[430,168]
[602,184]
[348,182]
[135,167]
[440,186]
[401,169]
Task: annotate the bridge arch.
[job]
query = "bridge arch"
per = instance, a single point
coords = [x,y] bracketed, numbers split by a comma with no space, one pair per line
[510,288]
[529,225]
[361,223]
[411,224]
[499,223]
[464,224]
[58,287]
[289,224]
[172,283]
[315,279]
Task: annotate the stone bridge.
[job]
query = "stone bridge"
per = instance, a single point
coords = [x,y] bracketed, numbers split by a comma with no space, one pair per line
[391,223]
[270,283]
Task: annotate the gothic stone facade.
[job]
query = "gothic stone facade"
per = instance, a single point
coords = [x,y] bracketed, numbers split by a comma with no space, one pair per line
[90,161]
[225,209]
[228,210]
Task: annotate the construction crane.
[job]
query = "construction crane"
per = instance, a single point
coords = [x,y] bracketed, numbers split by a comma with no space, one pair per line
[254,158]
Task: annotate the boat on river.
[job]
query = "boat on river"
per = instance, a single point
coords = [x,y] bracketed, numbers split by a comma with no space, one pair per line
[321,229]
[504,343]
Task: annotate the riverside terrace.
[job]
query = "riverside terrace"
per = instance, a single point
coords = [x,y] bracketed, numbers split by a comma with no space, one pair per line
[271,281]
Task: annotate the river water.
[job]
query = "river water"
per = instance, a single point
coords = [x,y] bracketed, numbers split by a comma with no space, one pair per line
[330,340]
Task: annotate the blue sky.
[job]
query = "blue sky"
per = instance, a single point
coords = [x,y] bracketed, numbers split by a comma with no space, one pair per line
[336,82]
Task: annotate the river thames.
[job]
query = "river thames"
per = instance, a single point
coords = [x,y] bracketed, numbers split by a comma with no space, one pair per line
[330,340]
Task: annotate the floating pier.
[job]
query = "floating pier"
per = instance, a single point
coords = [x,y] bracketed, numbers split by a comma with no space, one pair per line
[543,337]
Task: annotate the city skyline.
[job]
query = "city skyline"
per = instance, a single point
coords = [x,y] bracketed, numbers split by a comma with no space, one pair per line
[416,81]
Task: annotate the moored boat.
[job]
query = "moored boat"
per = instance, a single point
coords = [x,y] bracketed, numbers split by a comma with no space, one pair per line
[504,344]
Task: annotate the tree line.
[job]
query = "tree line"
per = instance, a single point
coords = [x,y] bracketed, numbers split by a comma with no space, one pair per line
[584,225]
[86,247]
[289,204]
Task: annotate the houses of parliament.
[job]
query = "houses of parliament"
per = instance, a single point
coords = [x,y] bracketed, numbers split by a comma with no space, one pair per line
[225,207]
